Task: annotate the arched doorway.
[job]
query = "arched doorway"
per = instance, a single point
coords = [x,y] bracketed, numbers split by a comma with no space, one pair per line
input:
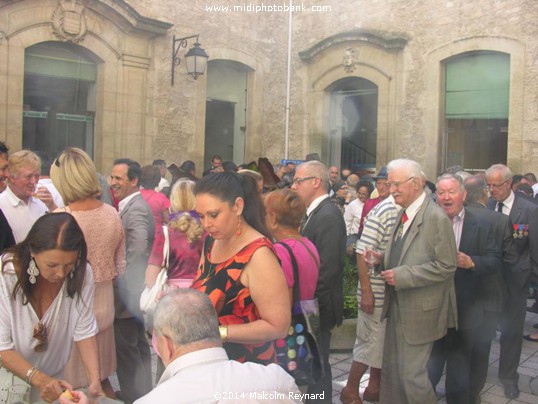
[226,111]
[59,98]
[353,123]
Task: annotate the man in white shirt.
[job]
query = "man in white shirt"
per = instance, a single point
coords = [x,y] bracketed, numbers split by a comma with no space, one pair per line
[23,202]
[163,183]
[197,367]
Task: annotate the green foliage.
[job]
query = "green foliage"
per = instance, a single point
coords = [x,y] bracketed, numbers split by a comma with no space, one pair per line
[351,280]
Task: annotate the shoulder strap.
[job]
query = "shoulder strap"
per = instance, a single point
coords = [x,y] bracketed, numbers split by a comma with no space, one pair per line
[296,291]
[166,247]
[309,252]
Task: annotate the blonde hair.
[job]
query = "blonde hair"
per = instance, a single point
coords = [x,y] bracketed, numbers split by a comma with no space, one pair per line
[182,202]
[74,175]
[23,158]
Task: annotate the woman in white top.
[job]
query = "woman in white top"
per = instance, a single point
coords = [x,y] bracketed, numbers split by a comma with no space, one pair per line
[46,304]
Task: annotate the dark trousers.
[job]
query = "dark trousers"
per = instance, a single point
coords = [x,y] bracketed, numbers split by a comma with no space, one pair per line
[455,349]
[480,354]
[512,322]
[466,354]
[325,384]
[133,357]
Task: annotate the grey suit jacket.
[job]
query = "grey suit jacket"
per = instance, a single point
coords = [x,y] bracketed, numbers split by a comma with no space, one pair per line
[139,226]
[424,277]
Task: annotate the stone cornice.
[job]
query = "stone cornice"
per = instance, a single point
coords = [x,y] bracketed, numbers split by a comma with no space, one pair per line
[386,40]
[127,17]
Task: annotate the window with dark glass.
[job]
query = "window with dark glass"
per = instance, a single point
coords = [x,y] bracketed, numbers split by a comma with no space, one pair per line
[59,98]
[477,87]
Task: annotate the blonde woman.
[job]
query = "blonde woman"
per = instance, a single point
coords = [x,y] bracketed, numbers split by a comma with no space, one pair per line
[186,239]
[74,175]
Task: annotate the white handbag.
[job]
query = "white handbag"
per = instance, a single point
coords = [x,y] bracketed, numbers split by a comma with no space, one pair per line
[150,296]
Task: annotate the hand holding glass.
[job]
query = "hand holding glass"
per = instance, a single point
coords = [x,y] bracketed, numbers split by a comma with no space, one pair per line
[372,258]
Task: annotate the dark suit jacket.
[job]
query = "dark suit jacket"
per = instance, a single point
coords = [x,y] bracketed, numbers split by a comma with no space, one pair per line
[494,291]
[6,234]
[478,241]
[327,230]
[424,277]
[139,226]
[524,215]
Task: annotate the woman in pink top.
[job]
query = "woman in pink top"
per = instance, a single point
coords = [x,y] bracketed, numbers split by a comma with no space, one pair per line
[284,212]
[74,175]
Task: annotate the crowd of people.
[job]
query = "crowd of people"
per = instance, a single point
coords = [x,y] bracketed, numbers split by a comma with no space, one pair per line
[441,266]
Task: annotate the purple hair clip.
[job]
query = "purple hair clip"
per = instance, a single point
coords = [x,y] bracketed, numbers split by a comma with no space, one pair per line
[191,213]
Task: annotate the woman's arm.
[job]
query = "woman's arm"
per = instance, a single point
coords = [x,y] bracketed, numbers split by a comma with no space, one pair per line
[269,291]
[50,389]
[152,271]
[90,357]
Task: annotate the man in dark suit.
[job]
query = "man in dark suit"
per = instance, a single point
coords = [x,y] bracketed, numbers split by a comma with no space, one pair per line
[477,259]
[132,349]
[325,227]
[420,301]
[524,216]
[494,286]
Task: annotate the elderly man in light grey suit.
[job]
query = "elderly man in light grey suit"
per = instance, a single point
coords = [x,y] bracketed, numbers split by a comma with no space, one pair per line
[132,349]
[420,302]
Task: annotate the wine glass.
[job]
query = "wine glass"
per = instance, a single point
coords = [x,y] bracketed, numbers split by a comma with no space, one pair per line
[371,256]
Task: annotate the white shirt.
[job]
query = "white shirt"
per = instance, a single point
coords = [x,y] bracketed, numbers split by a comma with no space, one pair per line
[352,216]
[56,197]
[535,188]
[457,226]
[75,321]
[163,183]
[507,204]
[411,212]
[123,203]
[21,217]
[208,376]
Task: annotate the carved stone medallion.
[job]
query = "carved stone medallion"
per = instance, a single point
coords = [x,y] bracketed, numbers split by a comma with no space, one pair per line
[69,21]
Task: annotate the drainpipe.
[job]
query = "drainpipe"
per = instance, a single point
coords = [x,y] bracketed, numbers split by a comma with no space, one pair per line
[288,85]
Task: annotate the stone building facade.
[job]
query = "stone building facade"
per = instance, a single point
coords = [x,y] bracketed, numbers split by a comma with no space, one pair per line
[441,81]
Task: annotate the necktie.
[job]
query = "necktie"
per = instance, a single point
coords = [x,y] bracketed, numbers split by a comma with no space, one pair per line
[404,217]
[303,222]
[500,207]
[399,234]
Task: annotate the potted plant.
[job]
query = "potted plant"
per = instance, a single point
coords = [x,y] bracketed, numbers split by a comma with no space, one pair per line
[343,337]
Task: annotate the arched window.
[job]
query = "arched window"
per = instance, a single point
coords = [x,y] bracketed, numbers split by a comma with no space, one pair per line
[353,123]
[59,98]
[226,110]
[477,88]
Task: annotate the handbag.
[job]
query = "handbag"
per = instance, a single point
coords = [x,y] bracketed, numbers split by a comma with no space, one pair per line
[299,353]
[11,385]
[150,296]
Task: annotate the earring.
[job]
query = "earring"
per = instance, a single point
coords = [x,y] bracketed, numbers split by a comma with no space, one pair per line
[33,271]
[71,274]
[239,228]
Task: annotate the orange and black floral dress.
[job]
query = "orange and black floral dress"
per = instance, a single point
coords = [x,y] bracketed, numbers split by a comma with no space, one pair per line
[232,300]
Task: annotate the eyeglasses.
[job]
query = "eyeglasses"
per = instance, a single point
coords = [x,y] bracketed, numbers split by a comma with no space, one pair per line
[496,186]
[41,334]
[297,181]
[396,184]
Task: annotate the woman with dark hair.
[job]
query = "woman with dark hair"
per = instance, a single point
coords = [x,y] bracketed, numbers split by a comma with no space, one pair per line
[284,211]
[239,270]
[157,201]
[46,304]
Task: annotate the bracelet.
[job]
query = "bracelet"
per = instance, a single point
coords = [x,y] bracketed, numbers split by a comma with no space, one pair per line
[31,372]
[223,329]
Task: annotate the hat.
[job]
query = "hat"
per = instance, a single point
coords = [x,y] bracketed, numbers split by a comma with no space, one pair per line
[382,174]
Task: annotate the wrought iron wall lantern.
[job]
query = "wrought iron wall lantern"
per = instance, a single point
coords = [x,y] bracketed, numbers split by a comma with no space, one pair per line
[195,58]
